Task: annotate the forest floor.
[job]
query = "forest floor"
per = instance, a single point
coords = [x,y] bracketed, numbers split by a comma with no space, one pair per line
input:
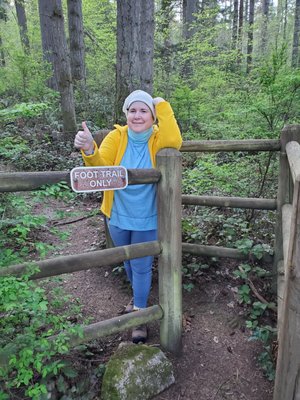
[218,360]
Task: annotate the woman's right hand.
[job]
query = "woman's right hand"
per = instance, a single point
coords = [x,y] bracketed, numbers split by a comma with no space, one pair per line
[84,140]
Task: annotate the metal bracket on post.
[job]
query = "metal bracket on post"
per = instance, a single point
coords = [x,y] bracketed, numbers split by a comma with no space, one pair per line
[169,236]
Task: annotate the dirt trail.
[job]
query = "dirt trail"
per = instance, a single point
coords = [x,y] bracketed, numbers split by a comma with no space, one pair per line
[218,361]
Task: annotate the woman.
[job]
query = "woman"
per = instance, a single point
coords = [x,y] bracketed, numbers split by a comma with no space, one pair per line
[132,213]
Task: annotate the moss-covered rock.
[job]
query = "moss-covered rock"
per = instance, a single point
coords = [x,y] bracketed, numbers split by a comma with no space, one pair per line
[136,372]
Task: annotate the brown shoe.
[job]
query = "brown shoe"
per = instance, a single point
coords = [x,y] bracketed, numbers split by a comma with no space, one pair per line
[129,308]
[139,334]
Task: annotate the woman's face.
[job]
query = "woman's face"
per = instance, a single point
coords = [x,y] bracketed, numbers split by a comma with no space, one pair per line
[139,117]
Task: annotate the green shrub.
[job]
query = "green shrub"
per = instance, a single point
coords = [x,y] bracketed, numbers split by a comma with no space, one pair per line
[28,322]
[22,110]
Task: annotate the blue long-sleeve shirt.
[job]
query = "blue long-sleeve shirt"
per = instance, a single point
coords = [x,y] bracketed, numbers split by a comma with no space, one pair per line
[134,208]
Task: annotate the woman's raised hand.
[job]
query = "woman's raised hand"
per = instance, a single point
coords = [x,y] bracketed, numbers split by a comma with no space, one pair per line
[84,140]
[157,100]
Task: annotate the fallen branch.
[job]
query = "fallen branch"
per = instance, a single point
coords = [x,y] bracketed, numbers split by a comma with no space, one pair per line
[260,297]
[58,223]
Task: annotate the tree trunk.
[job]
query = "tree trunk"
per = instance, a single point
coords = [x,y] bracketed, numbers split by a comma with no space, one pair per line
[135,45]
[235,24]
[76,39]
[3,17]
[2,56]
[246,9]
[22,22]
[56,52]
[166,52]
[285,19]
[250,36]
[264,28]
[295,52]
[240,32]
[45,11]
[189,9]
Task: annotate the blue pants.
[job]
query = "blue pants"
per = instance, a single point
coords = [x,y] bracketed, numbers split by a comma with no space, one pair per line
[138,270]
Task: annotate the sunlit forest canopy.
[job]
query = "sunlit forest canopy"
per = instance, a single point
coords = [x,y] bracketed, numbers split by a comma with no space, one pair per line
[229,68]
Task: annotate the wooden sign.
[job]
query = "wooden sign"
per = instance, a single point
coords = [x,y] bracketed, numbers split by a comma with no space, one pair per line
[96,179]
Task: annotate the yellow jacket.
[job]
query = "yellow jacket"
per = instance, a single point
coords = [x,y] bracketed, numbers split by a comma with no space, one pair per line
[113,147]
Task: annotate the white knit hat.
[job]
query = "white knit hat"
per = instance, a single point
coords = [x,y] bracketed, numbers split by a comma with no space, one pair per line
[139,95]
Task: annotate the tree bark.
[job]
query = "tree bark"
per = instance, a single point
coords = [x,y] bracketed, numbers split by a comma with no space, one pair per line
[189,11]
[3,17]
[56,52]
[45,11]
[246,9]
[135,47]
[264,28]
[295,52]
[76,39]
[2,56]
[235,24]
[250,36]
[240,31]
[166,52]
[285,18]
[22,22]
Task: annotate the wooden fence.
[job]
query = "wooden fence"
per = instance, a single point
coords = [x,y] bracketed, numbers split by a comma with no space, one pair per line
[168,247]
[287,382]
[168,177]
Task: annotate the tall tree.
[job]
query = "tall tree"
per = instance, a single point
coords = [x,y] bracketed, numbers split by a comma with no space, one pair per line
[3,17]
[246,9]
[135,44]
[56,52]
[295,52]
[240,31]
[165,48]
[264,28]
[45,11]
[189,11]
[235,24]
[76,39]
[250,35]
[22,22]
[285,18]
[2,57]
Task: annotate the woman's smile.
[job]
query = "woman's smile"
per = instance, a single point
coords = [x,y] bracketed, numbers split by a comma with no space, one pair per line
[139,117]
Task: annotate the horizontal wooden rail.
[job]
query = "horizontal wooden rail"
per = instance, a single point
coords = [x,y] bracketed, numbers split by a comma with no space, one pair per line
[117,324]
[293,154]
[231,145]
[238,202]
[79,262]
[218,251]
[98,330]
[216,145]
[25,181]
[138,176]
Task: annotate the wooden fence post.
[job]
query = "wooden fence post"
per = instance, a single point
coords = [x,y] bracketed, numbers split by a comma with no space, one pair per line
[169,235]
[284,196]
[287,382]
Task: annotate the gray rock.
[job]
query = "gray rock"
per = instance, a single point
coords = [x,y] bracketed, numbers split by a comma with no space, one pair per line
[136,372]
